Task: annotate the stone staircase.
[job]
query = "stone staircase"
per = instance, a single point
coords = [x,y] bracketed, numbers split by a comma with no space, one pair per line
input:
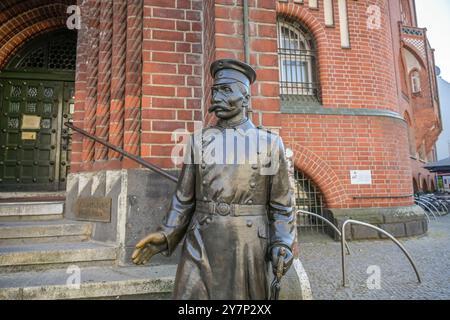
[41,252]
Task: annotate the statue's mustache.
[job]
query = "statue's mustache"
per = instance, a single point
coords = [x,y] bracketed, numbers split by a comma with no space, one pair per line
[217,106]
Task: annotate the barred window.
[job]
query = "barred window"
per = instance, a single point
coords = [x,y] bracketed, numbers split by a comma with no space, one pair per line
[297,62]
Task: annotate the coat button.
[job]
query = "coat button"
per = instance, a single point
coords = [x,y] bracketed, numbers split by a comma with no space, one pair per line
[203,166]
[250,201]
[205,198]
[204,182]
[249,223]
[254,166]
[208,220]
[252,184]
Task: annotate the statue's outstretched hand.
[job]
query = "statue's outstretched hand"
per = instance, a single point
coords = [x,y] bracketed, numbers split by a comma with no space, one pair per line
[149,246]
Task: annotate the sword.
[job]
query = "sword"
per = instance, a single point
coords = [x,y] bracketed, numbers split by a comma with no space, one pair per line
[276,283]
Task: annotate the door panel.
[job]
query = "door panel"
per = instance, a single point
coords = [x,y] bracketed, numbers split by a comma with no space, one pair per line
[66,133]
[30,148]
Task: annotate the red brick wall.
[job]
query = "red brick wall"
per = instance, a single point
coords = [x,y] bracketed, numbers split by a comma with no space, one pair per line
[229,40]
[421,174]
[181,39]
[327,147]
[360,77]
[172,75]
[209,49]
[162,80]
[418,106]
[151,78]
[80,93]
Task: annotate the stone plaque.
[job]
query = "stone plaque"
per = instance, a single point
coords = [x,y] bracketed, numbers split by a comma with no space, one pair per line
[31,122]
[361,177]
[93,209]
[28,135]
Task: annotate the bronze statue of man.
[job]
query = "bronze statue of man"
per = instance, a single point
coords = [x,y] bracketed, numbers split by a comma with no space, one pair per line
[235,215]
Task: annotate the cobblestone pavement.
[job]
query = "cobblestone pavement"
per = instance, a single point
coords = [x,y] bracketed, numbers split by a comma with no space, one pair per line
[321,258]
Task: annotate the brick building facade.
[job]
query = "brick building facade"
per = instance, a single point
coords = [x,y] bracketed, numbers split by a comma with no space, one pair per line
[349,84]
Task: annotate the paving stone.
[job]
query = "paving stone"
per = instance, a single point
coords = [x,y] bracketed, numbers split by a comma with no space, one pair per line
[321,258]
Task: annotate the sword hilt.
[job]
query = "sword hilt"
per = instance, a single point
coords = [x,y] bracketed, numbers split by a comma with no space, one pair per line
[280,265]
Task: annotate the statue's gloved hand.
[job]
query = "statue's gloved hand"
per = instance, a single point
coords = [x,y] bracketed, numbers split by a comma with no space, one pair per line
[149,246]
[275,255]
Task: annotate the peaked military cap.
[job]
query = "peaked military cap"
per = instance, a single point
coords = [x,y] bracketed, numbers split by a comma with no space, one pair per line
[229,71]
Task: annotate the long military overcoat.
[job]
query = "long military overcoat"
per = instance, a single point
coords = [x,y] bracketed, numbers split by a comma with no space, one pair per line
[226,255]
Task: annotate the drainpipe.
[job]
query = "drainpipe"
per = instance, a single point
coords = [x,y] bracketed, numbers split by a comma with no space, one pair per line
[246,33]
[247,53]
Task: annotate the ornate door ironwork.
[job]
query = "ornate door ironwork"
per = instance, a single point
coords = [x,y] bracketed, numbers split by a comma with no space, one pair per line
[35,149]
[36,97]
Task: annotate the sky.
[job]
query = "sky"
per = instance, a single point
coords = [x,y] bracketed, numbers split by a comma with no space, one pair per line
[435,16]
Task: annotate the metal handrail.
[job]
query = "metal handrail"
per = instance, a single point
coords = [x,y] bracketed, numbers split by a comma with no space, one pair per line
[327,222]
[343,242]
[123,152]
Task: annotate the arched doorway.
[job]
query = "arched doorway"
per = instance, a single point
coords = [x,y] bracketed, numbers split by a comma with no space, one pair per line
[424,186]
[415,186]
[36,97]
[308,197]
[432,186]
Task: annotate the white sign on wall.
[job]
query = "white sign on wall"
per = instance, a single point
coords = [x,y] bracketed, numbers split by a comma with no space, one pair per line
[361,176]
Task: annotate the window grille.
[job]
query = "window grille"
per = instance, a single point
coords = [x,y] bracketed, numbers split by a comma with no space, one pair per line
[55,52]
[308,197]
[297,56]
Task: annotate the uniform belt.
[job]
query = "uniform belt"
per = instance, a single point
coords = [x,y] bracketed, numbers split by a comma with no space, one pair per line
[225,209]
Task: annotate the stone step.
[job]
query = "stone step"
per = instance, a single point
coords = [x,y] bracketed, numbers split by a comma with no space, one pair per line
[44,256]
[32,196]
[29,232]
[29,211]
[147,282]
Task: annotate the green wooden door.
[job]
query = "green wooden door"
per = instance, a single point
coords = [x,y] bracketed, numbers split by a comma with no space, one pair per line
[35,147]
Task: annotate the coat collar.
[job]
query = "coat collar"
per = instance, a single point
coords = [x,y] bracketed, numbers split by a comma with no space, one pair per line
[243,125]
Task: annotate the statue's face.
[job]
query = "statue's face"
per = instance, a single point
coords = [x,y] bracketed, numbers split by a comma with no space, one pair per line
[227,100]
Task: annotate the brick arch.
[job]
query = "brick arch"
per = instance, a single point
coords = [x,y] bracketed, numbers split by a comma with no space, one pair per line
[407,118]
[294,11]
[321,173]
[27,20]
[415,186]
[12,46]
[424,185]
[17,7]
[415,53]
[422,76]
[432,186]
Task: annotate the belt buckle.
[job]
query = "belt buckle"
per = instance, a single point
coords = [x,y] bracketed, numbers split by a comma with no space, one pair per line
[223,209]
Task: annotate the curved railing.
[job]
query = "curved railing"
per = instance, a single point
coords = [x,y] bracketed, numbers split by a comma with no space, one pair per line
[343,243]
[328,222]
[427,205]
